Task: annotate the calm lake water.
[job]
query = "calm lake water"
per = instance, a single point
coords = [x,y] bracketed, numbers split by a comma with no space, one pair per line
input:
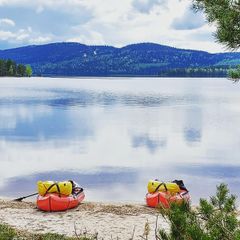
[113,135]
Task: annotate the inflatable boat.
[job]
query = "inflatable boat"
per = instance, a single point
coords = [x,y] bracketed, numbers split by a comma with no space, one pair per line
[164,199]
[59,196]
[53,202]
[162,194]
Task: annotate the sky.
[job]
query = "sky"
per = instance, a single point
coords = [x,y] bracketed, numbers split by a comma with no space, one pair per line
[105,22]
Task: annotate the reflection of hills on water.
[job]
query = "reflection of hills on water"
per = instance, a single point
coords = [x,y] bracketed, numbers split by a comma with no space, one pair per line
[212,171]
[103,178]
[129,183]
[201,180]
[82,98]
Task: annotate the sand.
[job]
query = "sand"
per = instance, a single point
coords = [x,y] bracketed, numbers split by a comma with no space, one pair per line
[108,221]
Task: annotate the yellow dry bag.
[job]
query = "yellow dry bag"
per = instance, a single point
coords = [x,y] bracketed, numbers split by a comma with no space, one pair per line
[64,188]
[154,186]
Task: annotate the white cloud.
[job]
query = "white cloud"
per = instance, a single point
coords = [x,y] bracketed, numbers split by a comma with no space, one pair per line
[24,36]
[120,25]
[64,4]
[189,20]
[6,35]
[40,40]
[39,9]
[145,6]
[7,22]
[115,23]
[90,37]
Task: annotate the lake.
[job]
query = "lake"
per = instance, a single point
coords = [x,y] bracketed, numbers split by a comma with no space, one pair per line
[114,134]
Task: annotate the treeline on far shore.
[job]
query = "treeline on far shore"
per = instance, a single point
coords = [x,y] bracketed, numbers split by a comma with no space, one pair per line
[9,68]
[211,71]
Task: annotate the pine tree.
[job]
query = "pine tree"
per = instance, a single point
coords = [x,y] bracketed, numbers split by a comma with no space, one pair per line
[10,71]
[225,14]
[28,71]
[21,70]
[212,220]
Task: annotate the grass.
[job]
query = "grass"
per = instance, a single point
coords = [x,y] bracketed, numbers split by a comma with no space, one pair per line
[9,233]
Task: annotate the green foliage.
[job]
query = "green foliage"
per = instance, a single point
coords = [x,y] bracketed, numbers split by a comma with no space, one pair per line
[225,14]
[28,70]
[10,71]
[234,74]
[214,71]
[8,233]
[212,220]
[10,68]
[21,70]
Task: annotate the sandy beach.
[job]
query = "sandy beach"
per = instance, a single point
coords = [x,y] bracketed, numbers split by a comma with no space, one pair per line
[108,221]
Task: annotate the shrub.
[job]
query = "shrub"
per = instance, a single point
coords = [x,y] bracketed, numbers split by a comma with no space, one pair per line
[215,219]
[8,233]
[234,74]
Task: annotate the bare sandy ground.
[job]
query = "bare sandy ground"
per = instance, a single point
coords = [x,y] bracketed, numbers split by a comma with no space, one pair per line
[109,221]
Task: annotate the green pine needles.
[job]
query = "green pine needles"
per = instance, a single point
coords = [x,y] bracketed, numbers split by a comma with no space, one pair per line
[212,220]
[9,68]
[234,74]
[225,15]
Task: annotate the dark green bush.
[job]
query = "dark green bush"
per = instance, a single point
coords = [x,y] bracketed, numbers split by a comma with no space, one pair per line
[234,74]
[215,219]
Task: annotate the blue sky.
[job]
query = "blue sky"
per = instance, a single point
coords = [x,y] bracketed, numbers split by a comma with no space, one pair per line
[104,22]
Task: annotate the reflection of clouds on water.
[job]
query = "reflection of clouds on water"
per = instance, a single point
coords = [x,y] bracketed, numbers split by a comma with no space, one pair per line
[150,143]
[139,129]
[193,125]
[43,123]
[192,135]
[9,116]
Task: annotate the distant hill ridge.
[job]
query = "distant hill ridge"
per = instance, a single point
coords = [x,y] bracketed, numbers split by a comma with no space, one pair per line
[142,59]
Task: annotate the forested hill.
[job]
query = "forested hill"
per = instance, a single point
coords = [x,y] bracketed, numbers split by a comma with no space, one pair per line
[146,59]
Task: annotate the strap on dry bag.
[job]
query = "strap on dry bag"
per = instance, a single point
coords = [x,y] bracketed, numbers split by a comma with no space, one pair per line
[50,187]
[160,186]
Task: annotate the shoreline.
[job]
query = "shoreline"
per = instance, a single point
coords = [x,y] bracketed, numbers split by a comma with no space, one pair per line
[109,221]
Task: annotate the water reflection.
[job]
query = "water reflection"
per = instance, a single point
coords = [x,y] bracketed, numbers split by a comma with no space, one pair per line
[91,181]
[150,143]
[193,128]
[126,184]
[69,98]
[203,179]
[28,123]
[213,171]
[113,135]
